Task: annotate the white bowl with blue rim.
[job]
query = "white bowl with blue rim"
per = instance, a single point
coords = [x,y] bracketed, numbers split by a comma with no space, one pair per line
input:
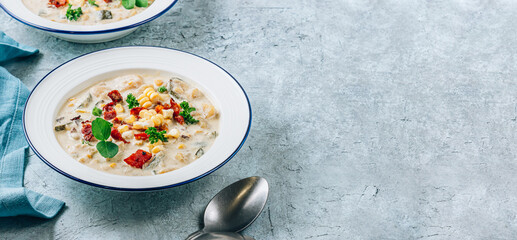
[68,79]
[86,33]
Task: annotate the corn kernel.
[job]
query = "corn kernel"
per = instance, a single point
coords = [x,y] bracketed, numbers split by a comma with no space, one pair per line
[147,104]
[113,165]
[167,113]
[199,131]
[131,119]
[175,133]
[156,121]
[181,146]
[71,104]
[150,123]
[142,113]
[141,125]
[71,99]
[154,97]
[119,108]
[81,111]
[123,128]
[139,142]
[139,98]
[128,134]
[157,149]
[130,83]
[102,105]
[195,93]
[148,115]
[179,157]
[81,160]
[158,82]
[88,155]
[143,100]
[148,91]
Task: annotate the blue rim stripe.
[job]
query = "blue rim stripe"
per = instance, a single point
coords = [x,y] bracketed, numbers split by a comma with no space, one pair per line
[136,189]
[88,32]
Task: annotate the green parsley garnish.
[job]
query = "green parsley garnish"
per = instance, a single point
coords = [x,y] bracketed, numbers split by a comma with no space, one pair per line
[93,3]
[101,130]
[154,135]
[96,112]
[131,101]
[186,113]
[73,14]
[162,89]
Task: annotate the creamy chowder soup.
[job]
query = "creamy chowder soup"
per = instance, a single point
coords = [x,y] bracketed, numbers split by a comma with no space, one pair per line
[138,124]
[86,12]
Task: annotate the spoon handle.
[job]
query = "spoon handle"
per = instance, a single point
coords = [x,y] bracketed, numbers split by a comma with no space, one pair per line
[194,235]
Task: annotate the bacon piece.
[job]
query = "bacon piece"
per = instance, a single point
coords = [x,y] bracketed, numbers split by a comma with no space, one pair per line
[107,1]
[158,108]
[117,121]
[175,107]
[110,115]
[115,96]
[58,3]
[115,134]
[179,119]
[138,159]
[141,136]
[108,107]
[136,110]
[86,130]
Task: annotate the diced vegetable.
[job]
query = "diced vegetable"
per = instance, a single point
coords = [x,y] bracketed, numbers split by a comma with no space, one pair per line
[60,127]
[128,4]
[200,152]
[104,14]
[141,3]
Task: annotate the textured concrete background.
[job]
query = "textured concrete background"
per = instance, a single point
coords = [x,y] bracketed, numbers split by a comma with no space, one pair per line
[372,120]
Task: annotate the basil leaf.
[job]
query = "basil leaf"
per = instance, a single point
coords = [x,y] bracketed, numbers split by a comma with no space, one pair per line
[128,4]
[101,129]
[142,3]
[107,149]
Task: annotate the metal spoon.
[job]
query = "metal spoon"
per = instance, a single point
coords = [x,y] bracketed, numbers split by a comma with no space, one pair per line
[235,207]
[222,236]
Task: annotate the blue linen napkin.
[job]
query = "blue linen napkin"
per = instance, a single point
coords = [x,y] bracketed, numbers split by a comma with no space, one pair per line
[14,198]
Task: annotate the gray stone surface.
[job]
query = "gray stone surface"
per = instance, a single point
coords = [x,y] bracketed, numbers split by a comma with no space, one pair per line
[372,120]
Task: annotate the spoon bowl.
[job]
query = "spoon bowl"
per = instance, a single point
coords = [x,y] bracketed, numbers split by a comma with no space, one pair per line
[237,206]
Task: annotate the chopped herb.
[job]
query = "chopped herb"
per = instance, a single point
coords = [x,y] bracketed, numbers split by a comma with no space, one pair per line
[96,112]
[93,3]
[73,14]
[162,89]
[155,136]
[85,142]
[131,101]
[101,130]
[186,113]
